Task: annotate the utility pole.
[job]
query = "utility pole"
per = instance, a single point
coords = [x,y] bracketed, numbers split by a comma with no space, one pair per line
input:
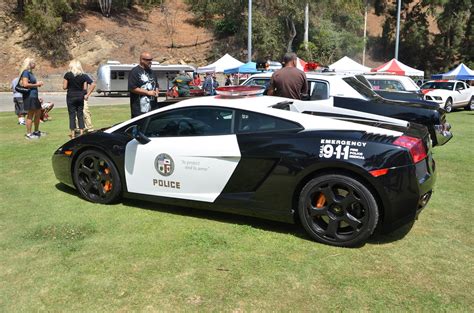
[306,26]
[249,43]
[397,41]
[365,32]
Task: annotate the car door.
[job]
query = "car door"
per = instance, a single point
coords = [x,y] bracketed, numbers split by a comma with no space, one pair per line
[462,94]
[191,155]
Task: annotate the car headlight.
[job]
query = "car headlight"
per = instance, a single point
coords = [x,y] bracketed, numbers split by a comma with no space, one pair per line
[437,98]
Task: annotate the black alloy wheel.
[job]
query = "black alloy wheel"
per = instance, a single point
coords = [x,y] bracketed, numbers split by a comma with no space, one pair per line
[338,210]
[449,105]
[97,178]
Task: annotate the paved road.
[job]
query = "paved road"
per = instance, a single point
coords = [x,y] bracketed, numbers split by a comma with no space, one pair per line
[59,100]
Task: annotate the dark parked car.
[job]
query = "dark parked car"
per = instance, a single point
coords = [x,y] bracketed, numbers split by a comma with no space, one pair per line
[349,92]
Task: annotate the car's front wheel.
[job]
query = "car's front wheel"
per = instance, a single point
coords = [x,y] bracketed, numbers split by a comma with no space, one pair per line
[338,210]
[96,177]
[448,106]
[470,105]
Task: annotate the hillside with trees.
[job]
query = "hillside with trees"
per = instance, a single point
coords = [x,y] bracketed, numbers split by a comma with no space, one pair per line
[435,35]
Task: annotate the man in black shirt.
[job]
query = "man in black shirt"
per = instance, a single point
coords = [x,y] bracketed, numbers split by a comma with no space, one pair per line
[143,86]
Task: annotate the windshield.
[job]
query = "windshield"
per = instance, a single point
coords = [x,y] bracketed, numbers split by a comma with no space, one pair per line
[361,88]
[258,82]
[438,85]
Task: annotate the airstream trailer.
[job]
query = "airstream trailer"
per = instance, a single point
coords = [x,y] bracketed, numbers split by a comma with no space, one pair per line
[112,77]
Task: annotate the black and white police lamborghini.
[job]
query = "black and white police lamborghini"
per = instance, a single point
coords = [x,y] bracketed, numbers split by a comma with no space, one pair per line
[341,177]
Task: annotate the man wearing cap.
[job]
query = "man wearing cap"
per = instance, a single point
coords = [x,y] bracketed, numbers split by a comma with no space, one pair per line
[289,81]
[182,81]
[143,86]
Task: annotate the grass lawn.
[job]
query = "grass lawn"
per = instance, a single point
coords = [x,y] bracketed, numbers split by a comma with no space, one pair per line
[61,253]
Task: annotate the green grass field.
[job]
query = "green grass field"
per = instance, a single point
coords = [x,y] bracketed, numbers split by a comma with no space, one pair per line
[61,253]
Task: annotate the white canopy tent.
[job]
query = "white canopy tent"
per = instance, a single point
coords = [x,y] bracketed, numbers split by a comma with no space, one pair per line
[349,66]
[224,63]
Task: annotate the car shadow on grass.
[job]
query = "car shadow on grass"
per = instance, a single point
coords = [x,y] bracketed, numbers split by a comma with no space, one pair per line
[258,223]
[397,234]
[295,230]
[223,217]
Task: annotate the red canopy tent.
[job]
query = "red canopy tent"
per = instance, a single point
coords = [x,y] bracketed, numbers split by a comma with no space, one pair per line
[300,64]
[398,68]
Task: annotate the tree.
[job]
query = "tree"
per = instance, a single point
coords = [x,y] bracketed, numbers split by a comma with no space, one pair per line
[105,7]
[453,24]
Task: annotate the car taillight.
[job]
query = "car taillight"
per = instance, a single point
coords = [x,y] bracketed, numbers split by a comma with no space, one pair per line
[414,145]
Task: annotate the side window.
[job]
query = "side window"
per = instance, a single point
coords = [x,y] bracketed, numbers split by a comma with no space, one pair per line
[460,86]
[375,84]
[117,75]
[199,121]
[318,90]
[251,122]
[397,85]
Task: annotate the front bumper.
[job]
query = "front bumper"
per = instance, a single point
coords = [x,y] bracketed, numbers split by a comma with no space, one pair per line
[62,167]
[436,99]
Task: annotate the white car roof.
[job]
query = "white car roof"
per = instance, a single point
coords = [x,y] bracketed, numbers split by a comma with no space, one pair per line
[337,86]
[262,104]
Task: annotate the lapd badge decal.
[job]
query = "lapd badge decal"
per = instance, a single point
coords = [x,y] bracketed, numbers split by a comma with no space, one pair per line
[164,164]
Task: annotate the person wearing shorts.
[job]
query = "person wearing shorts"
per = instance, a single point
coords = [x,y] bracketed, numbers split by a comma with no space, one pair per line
[18,102]
[31,102]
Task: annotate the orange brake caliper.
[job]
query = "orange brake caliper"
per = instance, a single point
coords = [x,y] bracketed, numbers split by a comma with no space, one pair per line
[320,201]
[108,183]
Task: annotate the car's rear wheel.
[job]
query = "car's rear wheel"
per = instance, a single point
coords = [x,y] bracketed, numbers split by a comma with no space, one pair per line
[97,178]
[448,106]
[470,105]
[338,210]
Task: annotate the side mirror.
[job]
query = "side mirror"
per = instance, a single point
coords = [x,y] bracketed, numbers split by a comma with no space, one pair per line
[135,133]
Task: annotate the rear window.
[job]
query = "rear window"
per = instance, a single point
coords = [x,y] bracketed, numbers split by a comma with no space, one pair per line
[361,88]
[386,84]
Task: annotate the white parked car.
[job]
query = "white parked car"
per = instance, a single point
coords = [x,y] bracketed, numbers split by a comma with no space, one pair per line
[449,94]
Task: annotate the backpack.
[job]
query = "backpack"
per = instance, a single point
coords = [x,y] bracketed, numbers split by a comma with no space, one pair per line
[19,88]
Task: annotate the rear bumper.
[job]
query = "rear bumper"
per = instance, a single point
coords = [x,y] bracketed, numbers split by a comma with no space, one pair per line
[418,182]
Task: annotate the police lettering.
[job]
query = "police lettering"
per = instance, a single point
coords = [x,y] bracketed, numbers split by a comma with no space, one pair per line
[167,183]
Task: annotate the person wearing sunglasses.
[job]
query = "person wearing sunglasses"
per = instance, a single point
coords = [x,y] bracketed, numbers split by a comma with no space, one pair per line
[143,86]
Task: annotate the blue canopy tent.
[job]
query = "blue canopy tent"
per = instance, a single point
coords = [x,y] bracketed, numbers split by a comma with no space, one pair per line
[247,68]
[462,72]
